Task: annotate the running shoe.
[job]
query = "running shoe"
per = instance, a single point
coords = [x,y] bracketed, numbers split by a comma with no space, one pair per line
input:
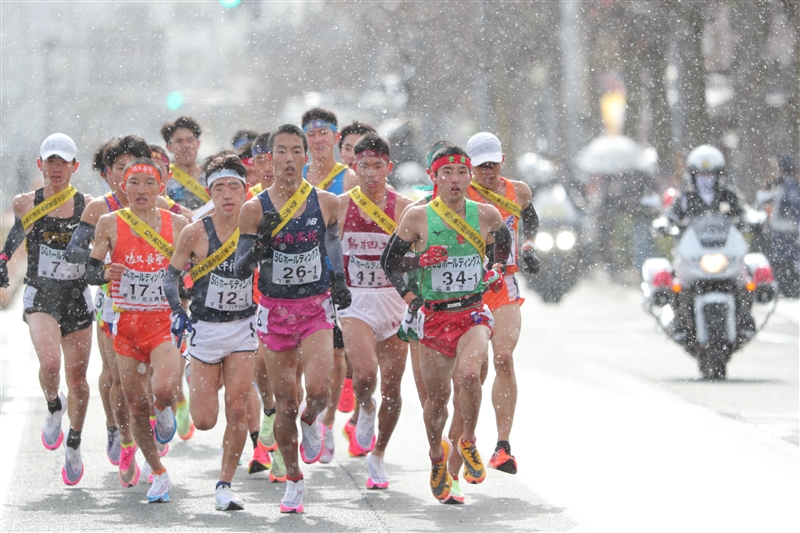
[72,471]
[226,501]
[163,449]
[292,501]
[260,462]
[474,472]
[313,443]
[348,428]
[166,425]
[503,461]
[364,435]
[347,400]
[266,435]
[128,469]
[377,473]
[440,477]
[456,497]
[159,492]
[113,446]
[52,434]
[277,473]
[147,472]
[328,448]
[185,424]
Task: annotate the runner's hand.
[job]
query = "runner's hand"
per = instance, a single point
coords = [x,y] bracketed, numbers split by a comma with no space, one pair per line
[494,279]
[340,294]
[3,273]
[269,221]
[433,256]
[415,306]
[180,326]
[530,262]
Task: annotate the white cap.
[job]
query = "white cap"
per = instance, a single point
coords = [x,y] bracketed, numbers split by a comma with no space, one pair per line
[484,147]
[60,145]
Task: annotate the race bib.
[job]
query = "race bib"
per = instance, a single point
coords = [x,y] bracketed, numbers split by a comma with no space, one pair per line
[142,288]
[296,269]
[365,273]
[229,294]
[457,274]
[53,265]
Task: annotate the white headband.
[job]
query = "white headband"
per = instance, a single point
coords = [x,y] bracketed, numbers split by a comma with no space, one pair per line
[224,173]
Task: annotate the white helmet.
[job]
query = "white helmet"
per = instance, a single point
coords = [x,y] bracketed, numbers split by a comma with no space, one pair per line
[705,158]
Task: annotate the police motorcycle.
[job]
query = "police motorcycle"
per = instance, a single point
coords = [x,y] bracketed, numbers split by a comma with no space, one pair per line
[702,299]
[559,242]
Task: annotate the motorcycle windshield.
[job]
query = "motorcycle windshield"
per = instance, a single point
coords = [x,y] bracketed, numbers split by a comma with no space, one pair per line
[712,230]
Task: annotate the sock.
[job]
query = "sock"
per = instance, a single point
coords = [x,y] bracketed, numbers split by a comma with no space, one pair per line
[127,445]
[295,479]
[223,484]
[73,439]
[54,406]
[112,429]
[157,406]
[160,472]
[254,438]
[504,445]
[269,412]
[179,405]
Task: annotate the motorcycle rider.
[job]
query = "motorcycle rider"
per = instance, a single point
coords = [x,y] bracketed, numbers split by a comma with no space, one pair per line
[784,245]
[705,193]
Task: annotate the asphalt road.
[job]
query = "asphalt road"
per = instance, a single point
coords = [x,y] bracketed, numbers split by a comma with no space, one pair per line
[614,432]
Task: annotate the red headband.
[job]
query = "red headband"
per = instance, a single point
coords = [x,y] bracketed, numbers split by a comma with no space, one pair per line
[372,153]
[247,161]
[455,159]
[161,157]
[142,168]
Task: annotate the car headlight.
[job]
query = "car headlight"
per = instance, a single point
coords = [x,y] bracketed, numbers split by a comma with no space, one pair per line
[714,263]
[565,240]
[544,242]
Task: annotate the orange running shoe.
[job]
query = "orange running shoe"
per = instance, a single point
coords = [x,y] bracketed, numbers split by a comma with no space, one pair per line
[474,472]
[347,400]
[503,461]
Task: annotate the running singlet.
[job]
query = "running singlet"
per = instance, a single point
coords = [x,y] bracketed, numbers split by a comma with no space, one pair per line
[112,202]
[512,222]
[219,296]
[47,249]
[299,263]
[462,274]
[140,288]
[363,244]
[337,185]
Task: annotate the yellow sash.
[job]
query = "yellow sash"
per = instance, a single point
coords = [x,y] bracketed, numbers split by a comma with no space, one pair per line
[498,200]
[189,182]
[213,261]
[146,232]
[324,184]
[372,210]
[293,204]
[256,189]
[461,226]
[48,206]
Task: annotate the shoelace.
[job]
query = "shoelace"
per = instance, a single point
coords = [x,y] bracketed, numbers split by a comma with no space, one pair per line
[437,469]
[473,454]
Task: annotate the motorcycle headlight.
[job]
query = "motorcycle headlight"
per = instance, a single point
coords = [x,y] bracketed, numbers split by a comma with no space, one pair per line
[565,240]
[714,263]
[544,242]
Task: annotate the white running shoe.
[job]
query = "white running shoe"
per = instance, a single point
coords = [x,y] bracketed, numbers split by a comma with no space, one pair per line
[147,472]
[166,425]
[52,434]
[328,448]
[113,446]
[365,429]
[226,501]
[72,471]
[377,473]
[292,501]
[311,447]
[159,492]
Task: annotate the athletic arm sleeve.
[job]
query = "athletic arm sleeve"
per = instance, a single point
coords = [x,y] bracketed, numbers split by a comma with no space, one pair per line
[502,244]
[333,247]
[392,263]
[530,222]
[78,247]
[95,272]
[248,254]
[171,289]
[15,237]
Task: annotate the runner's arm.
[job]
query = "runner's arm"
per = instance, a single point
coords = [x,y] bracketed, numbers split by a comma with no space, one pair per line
[78,249]
[530,222]
[502,244]
[171,285]
[15,237]
[248,254]
[333,246]
[392,263]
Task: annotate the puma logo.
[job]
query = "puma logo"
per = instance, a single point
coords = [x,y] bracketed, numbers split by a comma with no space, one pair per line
[438,233]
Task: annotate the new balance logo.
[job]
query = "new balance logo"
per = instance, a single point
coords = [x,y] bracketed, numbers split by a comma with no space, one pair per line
[311,222]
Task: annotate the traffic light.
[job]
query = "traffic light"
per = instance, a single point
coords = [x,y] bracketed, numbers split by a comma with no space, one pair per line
[229,4]
[175,100]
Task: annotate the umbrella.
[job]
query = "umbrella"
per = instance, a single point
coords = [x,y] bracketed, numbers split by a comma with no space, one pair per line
[611,154]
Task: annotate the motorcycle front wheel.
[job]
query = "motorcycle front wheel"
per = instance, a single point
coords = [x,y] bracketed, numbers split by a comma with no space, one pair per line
[712,363]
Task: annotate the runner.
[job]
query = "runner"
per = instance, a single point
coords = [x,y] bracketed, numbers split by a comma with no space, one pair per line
[183,141]
[139,239]
[453,323]
[223,342]
[295,316]
[57,302]
[371,322]
[513,200]
[350,135]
